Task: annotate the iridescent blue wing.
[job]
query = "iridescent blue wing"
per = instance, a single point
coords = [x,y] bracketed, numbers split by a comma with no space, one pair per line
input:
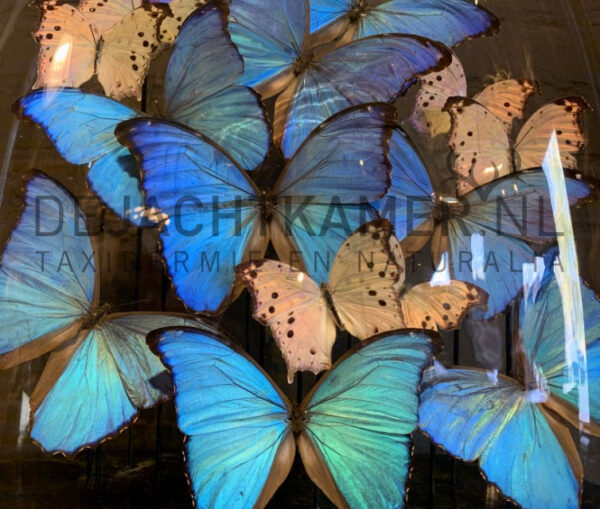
[408,204]
[81,126]
[270,36]
[200,89]
[359,420]
[324,192]
[543,340]
[210,206]
[93,387]
[239,446]
[47,275]
[378,68]
[476,416]
[487,236]
[447,21]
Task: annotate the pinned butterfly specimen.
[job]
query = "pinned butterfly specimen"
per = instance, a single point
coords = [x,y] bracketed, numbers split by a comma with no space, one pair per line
[482,236]
[352,430]
[447,21]
[317,82]
[100,370]
[484,149]
[113,39]
[504,99]
[217,217]
[361,297]
[199,92]
[516,427]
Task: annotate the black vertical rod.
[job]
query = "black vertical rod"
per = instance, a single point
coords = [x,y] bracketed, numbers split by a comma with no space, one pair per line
[130,446]
[98,474]
[158,443]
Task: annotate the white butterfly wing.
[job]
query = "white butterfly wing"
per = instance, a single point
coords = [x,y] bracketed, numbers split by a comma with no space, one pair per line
[427,306]
[436,89]
[562,116]
[68,48]
[362,281]
[506,99]
[103,14]
[126,53]
[480,142]
[293,306]
[170,25]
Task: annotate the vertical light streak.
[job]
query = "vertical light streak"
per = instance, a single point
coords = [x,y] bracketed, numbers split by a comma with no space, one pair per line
[568,280]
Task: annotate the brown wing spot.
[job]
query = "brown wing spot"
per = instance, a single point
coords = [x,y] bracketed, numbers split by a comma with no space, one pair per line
[445,318]
[253,274]
[382,302]
[274,295]
[446,306]
[424,324]
[290,334]
[372,292]
[271,309]
[291,320]
[313,350]
[381,273]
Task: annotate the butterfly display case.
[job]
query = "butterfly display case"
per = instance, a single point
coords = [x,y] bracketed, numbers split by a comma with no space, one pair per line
[300,253]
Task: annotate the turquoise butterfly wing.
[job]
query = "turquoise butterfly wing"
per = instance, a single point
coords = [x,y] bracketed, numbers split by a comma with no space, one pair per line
[46,282]
[93,386]
[200,89]
[81,126]
[361,416]
[506,214]
[378,68]
[543,331]
[324,192]
[211,207]
[235,420]
[479,416]
[447,21]
[270,36]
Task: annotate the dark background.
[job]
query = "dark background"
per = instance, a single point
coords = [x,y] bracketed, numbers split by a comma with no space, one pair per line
[555,42]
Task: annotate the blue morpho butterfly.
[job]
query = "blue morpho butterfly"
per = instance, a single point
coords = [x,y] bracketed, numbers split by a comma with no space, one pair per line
[515,427]
[200,92]
[101,370]
[318,81]
[482,236]
[352,430]
[447,21]
[217,217]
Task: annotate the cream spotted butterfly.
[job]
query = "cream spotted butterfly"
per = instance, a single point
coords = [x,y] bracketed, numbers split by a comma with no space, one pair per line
[112,39]
[364,296]
[505,99]
[170,24]
[484,148]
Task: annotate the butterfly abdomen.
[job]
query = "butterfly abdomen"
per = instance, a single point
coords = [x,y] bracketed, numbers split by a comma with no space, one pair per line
[327,296]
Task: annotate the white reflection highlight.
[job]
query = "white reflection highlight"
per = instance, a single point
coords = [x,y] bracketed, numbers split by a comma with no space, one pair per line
[441,276]
[300,277]
[478,252]
[532,279]
[23,419]
[568,281]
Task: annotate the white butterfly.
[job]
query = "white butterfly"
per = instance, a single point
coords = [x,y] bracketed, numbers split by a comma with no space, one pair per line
[361,297]
[505,99]
[112,39]
[484,147]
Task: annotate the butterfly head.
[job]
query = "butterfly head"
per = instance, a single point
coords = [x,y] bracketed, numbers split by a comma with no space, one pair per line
[95,316]
[358,10]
